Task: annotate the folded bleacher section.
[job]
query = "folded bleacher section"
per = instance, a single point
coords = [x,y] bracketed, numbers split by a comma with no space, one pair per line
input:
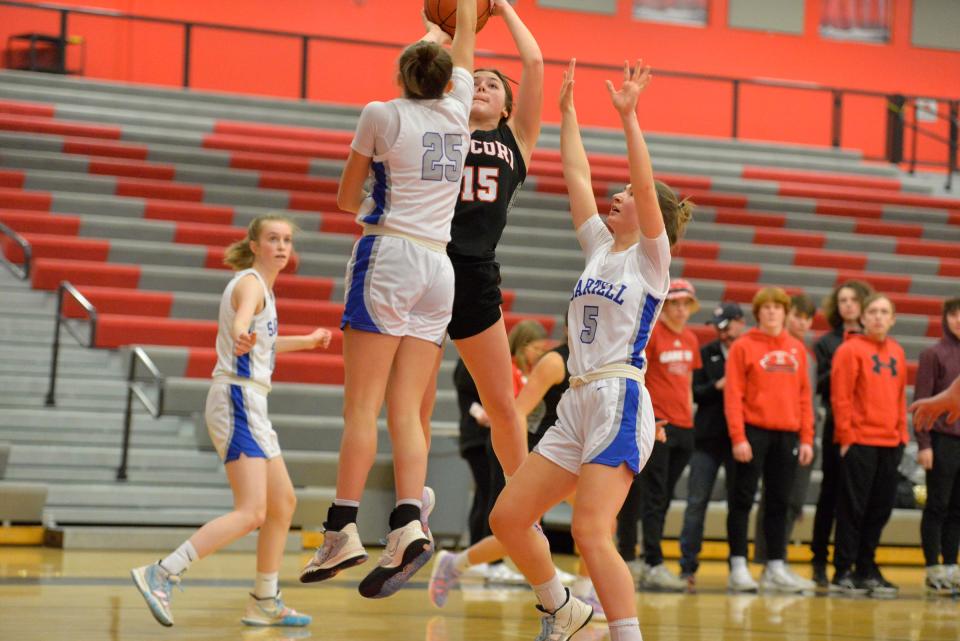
[131,193]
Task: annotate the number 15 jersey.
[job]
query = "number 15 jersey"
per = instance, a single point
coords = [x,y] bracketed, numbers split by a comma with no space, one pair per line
[418,148]
[617,299]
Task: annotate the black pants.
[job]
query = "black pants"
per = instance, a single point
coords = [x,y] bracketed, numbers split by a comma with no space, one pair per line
[798,497]
[775,460]
[650,495]
[940,525]
[827,502]
[478,519]
[868,487]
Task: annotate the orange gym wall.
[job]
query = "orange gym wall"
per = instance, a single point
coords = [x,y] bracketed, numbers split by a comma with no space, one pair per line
[146,53]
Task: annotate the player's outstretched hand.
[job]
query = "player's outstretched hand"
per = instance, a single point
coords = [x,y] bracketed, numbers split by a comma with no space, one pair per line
[244,343]
[434,32]
[566,89]
[321,338]
[926,411]
[625,99]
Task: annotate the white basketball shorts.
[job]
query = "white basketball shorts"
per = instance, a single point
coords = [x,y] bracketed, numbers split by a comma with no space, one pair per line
[398,287]
[607,422]
[237,423]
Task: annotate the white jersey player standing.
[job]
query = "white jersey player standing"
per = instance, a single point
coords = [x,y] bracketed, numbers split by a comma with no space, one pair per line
[605,428]
[399,295]
[236,416]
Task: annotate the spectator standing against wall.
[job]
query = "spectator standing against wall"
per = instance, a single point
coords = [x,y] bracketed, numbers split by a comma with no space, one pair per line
[939,455]
[711,447]
[673,353]
[799,322]
[868,392]
[842,309]
[767,402]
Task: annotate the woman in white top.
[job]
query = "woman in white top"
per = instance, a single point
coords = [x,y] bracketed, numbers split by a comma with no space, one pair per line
[236,415]
[605,429]
[399,293]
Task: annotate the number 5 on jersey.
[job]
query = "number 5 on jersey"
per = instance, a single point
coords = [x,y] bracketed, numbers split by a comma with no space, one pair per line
[589,331]
[480,183]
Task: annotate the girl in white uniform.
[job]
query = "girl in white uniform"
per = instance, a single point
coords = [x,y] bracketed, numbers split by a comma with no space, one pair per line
[236,415]
[605,428]
[399,293]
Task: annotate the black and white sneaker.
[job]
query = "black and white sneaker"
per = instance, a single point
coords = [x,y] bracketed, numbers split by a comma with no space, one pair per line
[340,550]
[846,582]
[408,549]
[878,586]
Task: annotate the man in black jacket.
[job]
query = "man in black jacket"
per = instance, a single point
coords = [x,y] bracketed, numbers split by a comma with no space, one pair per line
[712,442]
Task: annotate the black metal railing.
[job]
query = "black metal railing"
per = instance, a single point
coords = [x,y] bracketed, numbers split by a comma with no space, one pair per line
[65,289]
[135,388]
[23,273]
[950,140]
[837,94]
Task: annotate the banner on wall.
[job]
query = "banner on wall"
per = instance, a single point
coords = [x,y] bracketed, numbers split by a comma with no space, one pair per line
[860,20]
[691,12]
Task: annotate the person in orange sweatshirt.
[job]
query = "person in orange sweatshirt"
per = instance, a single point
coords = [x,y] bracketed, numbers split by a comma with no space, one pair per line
[769,410]
[868,390]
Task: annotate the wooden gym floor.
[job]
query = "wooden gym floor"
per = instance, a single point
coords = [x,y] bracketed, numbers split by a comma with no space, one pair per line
[77,595]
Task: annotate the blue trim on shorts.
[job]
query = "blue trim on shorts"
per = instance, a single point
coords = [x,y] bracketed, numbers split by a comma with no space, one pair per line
[643,334]
[624,448]
[379,194]
[241,440]
[355,312]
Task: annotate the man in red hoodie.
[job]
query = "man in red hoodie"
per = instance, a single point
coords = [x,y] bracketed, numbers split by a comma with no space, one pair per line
[769,408]
[868,391]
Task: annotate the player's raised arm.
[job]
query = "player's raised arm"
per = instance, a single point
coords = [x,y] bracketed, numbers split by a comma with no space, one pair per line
[526,118]
[576,168]
[465,38]
[625,102]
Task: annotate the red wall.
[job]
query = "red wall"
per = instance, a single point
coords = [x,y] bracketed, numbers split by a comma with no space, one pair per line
[355,74]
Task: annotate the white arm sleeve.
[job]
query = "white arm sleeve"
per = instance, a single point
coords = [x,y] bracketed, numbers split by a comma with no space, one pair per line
[593,235]
[377,129]
[653,255]
[462,87]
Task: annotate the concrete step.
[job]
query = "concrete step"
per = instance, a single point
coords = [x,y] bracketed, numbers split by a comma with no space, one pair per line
[54,438]
[72,420]
[186,459]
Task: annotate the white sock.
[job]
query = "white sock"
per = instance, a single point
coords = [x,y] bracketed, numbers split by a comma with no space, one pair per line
[738,562]
[346,503]
[180,559]
[266,586]
[416,502]
[552,595]
[462,562]
[581,586]
[625,630]
[775,565]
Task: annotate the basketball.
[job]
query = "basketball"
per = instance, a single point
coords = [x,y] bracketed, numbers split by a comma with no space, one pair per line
[444,13]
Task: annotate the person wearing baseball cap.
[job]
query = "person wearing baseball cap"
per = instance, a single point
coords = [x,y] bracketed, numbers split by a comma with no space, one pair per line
[673,353]
[725,313]
[712,448]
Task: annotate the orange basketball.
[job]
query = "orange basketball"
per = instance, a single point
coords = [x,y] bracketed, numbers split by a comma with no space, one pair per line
[444,13]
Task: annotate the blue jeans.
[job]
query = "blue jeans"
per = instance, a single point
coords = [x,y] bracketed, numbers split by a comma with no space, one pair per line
[704,466]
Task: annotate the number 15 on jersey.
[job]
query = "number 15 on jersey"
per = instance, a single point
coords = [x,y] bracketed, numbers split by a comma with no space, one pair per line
[480,183]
